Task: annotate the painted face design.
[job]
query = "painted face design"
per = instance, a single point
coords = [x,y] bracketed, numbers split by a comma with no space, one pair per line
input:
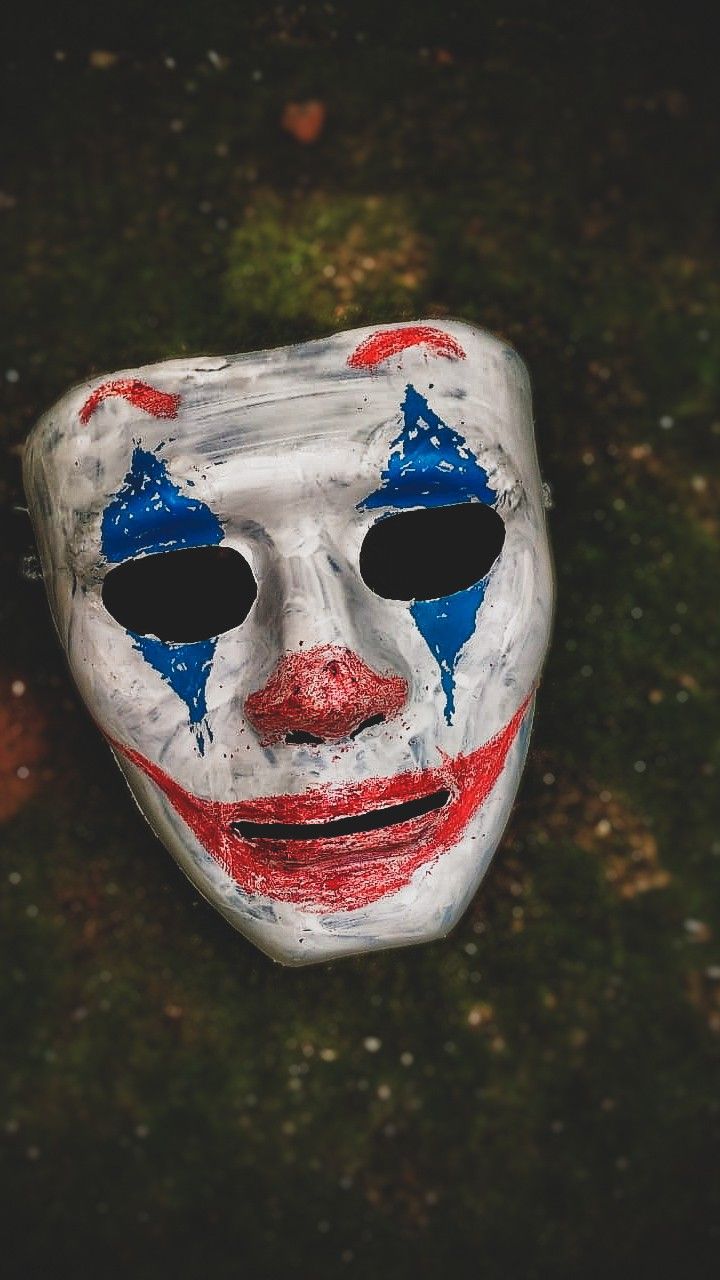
[306,595]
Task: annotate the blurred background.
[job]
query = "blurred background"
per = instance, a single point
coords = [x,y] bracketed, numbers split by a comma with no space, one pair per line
[537,1095]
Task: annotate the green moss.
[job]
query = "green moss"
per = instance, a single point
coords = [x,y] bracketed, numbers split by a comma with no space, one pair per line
[325,261]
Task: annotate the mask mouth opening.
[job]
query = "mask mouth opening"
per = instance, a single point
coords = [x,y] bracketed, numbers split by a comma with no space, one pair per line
[374,820]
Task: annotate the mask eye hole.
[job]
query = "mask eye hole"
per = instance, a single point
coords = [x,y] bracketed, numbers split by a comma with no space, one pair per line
[181,596]
[427,554]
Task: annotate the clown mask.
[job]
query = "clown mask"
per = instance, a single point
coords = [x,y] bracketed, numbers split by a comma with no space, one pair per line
[306,595]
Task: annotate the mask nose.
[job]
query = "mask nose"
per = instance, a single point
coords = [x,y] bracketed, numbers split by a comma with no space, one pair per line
[323,695]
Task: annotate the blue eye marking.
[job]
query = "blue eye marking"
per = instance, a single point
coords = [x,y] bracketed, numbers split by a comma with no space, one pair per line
[431,465]
[148,515]
[186,668]
[446,625]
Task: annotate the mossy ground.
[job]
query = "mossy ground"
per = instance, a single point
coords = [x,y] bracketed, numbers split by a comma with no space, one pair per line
[535,1096]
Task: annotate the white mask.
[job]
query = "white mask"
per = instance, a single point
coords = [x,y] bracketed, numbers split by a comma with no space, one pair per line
[306,595]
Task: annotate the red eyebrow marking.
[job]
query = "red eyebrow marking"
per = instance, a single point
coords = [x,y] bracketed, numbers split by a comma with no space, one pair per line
[389,342]
[161,404]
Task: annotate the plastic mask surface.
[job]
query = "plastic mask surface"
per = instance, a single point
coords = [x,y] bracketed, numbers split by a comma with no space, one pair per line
[306,595]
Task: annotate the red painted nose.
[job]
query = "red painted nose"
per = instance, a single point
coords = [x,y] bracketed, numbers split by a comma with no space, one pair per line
[325,694]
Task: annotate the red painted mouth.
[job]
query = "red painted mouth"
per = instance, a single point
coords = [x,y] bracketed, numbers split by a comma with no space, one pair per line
[336,848]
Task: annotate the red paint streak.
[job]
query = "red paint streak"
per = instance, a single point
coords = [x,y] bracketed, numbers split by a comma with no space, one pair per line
[327,691]
[346,872]
[161,404]
[390,342]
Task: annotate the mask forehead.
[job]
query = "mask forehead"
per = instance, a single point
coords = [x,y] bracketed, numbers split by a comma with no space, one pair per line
[204,411]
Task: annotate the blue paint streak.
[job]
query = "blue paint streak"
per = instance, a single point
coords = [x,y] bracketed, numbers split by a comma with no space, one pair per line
[186,668]
[149,515]
[446,625]
[431,465]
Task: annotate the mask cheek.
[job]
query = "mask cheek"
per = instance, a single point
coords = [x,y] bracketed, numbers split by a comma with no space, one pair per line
[127,698]
[504,655]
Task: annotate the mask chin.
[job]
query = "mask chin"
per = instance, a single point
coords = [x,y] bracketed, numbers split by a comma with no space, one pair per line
[423,908]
